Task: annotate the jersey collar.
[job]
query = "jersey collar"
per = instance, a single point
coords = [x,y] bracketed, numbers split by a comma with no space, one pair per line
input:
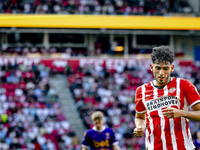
[94,128]
[161,87]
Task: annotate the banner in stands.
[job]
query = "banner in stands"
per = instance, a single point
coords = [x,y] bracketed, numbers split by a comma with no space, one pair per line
[59,64]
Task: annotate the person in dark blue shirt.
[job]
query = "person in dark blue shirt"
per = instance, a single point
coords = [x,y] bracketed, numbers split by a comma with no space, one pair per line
[99,137]
[197,141]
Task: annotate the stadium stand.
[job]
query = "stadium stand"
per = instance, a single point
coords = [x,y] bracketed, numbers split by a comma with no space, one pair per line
[31,117]
[112,91]
[111,7]
[65,52]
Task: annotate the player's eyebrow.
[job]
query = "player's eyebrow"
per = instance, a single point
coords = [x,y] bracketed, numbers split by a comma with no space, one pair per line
[161,67]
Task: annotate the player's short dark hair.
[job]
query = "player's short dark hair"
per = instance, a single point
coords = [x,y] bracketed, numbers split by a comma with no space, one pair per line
[162,54]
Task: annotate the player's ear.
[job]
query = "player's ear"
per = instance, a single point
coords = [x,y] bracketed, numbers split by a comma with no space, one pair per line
[172,68]
[151,67]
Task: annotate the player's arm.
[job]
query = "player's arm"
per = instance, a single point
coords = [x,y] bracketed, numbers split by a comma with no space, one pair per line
[116,147]
[175,113]
[140,124]
[85,142]
[193,99]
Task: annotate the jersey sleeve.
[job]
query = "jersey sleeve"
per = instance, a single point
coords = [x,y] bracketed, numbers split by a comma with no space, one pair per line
[113,138]
[86,140]
[190,92]
[140,108]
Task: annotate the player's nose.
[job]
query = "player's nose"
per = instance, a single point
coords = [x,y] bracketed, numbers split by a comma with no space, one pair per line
[161,72]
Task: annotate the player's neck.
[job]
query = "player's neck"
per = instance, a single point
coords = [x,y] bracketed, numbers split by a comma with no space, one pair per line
[100,128]
[156,84]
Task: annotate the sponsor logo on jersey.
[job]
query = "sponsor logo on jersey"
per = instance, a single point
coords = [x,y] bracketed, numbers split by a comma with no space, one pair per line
[107,135]
[162,102]
[101,144]
[172,90]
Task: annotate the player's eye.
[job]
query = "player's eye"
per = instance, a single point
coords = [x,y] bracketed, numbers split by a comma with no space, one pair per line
[158,68]
[166,68]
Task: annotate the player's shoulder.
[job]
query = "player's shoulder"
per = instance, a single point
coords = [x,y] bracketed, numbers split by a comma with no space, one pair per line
[107,129]
[88,132]
[184,81]
[139,88]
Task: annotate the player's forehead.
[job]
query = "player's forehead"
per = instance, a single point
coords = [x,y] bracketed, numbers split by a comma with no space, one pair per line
[97,120]
[162,64]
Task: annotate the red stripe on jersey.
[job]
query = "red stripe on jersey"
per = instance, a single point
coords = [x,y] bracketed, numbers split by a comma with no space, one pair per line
[159,146]
[189,91]
[160,92]
[138,100]
[182,103]
[168,135]
[149,92]
[156,131]
[178,134]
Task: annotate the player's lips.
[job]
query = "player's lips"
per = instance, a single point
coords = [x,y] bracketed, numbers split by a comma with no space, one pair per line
[161,78]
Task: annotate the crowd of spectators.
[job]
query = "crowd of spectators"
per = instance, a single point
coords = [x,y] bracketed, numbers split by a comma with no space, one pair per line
[31,117]
[66,52]
[112,91]
[96,7]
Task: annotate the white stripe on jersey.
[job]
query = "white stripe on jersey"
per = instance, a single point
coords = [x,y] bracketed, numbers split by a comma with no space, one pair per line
[151,146]
[178,91]
[148,144]
[173,134]
[172,120]
[162,120]
[183,125]
[191,146]
[178,88]
[188,144]
[163,126]
[147,139]
[194,103]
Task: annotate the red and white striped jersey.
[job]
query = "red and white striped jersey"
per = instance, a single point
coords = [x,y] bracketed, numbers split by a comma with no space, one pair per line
[163,133]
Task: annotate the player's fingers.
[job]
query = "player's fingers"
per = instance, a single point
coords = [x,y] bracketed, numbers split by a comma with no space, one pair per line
[138,131]
[168,109]
[139,135]
[168,113]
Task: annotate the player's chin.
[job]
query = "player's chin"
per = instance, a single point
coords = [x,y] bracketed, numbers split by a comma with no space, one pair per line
[162,81]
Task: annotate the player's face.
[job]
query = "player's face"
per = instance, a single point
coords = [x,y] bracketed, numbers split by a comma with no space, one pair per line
[161,72]
[98,124]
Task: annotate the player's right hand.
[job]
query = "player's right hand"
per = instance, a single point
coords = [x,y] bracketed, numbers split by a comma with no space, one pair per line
[138,131]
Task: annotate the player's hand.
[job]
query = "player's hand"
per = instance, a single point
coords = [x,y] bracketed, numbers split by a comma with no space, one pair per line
[138,131]
[172,113]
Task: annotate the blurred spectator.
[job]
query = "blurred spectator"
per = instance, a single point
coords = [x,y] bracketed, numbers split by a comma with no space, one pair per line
[31,117]
[197,141]
[139,7]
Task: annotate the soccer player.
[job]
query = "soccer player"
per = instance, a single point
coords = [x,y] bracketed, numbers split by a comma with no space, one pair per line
[99,137]
[162,106]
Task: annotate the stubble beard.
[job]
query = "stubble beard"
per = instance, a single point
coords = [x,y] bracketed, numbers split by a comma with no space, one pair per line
[164,82]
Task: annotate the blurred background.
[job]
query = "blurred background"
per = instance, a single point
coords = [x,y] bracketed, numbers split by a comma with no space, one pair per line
[62,59]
